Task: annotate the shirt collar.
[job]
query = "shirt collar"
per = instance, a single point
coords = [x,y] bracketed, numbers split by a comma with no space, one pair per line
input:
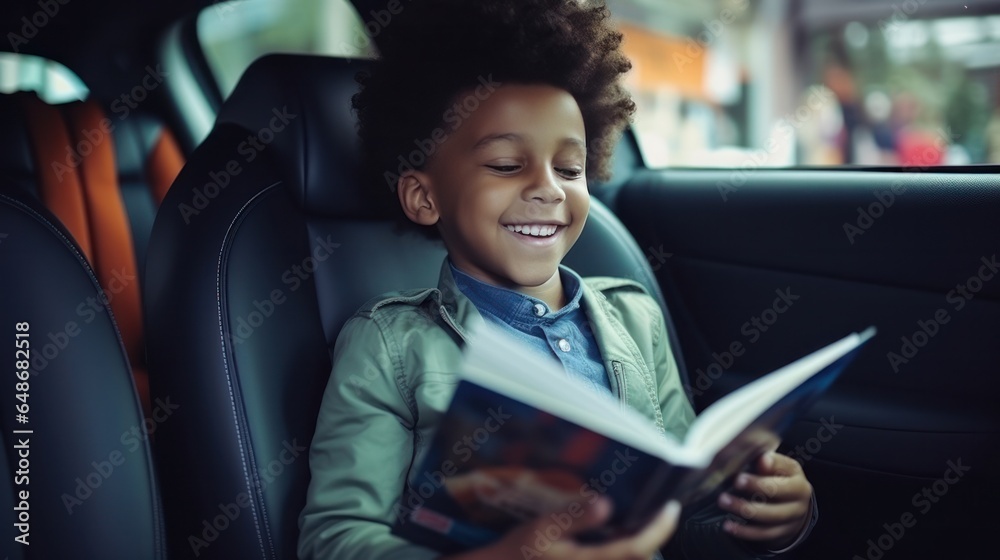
[514,308]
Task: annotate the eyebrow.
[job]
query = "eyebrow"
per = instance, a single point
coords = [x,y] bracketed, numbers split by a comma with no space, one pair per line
[517,138]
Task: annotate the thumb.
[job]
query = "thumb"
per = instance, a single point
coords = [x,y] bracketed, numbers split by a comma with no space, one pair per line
[593,516]
[659,530]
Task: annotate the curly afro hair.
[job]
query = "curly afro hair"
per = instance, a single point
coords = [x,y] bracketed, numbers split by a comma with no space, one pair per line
[435,51]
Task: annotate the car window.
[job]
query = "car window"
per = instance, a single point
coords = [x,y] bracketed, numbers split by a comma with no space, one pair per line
[53,82]
[734,83]
[234,34]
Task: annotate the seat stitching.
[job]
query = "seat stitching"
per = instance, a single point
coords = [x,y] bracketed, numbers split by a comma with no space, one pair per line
[154,494]
[245,457]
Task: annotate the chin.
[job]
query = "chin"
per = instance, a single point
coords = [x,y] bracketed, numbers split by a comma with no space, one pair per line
[533,276]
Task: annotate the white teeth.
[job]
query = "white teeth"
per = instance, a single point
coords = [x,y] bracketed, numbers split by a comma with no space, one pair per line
[533,230]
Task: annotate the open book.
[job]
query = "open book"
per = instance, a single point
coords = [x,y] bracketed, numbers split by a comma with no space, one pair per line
[523,438]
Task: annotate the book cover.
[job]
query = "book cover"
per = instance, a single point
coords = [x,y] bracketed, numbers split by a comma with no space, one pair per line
[498,460]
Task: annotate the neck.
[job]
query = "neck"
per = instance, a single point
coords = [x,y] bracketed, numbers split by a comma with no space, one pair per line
[551,292]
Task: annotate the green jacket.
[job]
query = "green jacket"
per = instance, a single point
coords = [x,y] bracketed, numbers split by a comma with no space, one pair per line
[395,367]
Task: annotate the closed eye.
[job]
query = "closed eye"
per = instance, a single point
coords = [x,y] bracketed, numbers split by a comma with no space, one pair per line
[504,168]
[570,173]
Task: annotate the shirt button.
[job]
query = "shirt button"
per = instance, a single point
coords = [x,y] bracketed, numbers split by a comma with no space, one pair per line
[539,310]
[563,345]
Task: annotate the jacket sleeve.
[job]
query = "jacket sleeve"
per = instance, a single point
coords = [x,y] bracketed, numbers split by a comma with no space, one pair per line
[674,404]
[700,535]
[360,456]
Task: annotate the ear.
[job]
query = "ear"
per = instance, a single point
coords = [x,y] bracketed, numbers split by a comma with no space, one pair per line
[415,198]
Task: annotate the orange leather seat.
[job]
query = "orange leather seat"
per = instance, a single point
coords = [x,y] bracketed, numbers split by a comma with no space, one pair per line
[78,169]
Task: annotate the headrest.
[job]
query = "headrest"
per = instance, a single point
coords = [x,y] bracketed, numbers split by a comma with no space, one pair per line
[297,110]
[17,160]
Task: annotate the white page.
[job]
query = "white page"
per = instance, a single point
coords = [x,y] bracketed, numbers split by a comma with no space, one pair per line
[502,364]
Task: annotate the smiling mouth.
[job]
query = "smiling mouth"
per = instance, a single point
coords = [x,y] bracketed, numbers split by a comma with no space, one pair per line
[534,230]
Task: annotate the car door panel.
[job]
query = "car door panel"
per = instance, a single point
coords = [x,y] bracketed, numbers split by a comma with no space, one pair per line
[768,265]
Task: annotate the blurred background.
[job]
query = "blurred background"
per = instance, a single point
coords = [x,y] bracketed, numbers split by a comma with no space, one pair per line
[815,82]
[719,83]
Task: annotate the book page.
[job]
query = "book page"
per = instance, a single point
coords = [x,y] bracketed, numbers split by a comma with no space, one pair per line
[501,363]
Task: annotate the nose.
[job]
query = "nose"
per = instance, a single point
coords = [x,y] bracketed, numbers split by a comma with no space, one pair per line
[544,186]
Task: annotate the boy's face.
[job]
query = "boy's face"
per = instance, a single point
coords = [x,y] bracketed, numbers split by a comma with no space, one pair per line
[508,188]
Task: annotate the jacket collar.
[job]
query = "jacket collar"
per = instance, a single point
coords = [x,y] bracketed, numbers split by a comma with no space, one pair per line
[612,340]
[619,352]
[515,308]
[454,305]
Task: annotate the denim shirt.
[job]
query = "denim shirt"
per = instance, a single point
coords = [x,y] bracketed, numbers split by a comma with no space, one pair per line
[564,334]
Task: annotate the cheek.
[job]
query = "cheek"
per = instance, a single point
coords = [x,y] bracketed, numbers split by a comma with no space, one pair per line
[476,215]
[581,203]
[492,203]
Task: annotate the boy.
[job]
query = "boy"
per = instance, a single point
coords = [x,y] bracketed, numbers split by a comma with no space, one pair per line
[522,102]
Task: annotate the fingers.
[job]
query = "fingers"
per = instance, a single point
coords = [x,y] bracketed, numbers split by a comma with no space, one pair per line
[776,464]
[552,535]
[594,515]
[641,545]
[753,532]
[661,528]
[763,512]
[772,505]
[775,488]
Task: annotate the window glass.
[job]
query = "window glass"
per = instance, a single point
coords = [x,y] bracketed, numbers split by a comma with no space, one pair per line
[53,82]
[736,83]
[234,34]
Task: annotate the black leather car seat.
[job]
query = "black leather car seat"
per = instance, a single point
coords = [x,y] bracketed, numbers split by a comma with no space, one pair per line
[263,247]
[104,179]
[77,467]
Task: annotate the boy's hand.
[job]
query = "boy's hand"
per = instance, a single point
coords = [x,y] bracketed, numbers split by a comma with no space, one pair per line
[532,539]
[772,506]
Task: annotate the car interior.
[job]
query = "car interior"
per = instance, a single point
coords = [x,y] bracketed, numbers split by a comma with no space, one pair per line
[184,252]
